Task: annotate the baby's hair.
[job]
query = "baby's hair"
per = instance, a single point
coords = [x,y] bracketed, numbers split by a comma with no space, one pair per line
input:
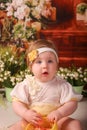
[39,44]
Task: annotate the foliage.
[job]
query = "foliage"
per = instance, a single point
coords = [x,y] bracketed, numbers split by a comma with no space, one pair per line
[75,76]
[81,8]
[24,32]
[13,67]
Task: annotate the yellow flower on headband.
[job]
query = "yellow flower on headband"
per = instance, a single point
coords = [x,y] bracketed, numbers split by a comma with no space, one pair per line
[33,55]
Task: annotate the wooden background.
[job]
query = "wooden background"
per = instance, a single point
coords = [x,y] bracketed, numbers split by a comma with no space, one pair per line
[69,35]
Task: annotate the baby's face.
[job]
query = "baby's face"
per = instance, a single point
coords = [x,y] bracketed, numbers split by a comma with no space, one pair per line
[45,66]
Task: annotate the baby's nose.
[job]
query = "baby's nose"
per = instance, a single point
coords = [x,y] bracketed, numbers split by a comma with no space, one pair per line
[44,65]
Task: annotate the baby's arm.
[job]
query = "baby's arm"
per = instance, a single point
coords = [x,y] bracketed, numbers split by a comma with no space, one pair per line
[68,108]
[23,111]
[65,110]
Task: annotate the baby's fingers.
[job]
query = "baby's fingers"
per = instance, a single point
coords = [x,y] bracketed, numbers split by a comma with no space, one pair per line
[35,121]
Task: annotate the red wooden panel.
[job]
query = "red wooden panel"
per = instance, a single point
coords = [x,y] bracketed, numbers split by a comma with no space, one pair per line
[71,45]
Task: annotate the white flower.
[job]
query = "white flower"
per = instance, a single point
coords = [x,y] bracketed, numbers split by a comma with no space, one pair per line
[36,13]
[22,12]
[85,79]
[17,3]
[76,76]
[2,5]
[7,53]
[10,10]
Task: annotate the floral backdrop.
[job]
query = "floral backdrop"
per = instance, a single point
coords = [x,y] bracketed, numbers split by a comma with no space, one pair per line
[25,18]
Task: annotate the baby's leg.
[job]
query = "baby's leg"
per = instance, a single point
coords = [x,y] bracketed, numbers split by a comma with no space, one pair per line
[20,125]
[69,124]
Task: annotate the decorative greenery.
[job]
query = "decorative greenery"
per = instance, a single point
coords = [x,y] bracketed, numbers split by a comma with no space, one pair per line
[24,32]
[75,76]
[13,67]
[81,8]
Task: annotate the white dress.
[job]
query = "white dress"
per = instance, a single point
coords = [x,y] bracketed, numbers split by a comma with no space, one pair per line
[44,97]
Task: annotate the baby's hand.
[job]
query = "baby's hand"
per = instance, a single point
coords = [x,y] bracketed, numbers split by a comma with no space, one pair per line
[54,116]
[32,117]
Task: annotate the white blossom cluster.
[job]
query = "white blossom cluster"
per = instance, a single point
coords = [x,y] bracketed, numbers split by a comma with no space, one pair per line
[22,9]
[10,68]
[76,76]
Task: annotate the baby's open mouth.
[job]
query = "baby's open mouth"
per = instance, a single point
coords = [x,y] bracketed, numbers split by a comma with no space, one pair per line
[45,73]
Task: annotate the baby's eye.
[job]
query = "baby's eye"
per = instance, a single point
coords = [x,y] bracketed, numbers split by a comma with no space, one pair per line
[50,61]
[38,61]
